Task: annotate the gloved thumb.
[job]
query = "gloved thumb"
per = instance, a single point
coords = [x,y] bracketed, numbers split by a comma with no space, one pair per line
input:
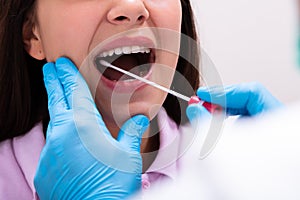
[196,111]
[131,132]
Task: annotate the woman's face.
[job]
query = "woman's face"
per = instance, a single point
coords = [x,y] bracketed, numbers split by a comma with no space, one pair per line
[134,31]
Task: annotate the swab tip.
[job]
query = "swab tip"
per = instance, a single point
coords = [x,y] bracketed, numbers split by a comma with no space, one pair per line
[103,62]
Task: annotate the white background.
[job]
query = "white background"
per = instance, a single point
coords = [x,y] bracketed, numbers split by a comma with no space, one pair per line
[252,40]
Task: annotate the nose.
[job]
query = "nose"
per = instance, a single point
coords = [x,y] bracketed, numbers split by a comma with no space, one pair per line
[128,12]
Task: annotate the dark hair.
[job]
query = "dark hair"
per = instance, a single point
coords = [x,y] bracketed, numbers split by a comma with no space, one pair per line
[187,66]
[23,98]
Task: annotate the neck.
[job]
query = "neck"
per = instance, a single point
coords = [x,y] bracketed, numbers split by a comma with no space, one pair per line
[150,145]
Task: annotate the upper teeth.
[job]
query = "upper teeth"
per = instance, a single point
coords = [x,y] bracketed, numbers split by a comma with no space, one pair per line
[125,50]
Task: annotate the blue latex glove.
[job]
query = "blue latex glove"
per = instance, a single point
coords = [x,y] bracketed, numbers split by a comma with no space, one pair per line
[245,99]
[81,160]
[196,111]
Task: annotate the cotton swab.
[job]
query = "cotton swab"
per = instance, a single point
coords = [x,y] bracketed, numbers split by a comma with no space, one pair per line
[181,96]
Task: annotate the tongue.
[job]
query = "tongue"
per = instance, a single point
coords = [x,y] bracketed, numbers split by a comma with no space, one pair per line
[126,62]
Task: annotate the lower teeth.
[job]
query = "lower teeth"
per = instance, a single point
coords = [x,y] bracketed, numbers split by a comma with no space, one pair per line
[129,80]
[142,73]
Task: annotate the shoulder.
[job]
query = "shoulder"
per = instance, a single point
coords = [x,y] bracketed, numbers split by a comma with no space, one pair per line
[19,157]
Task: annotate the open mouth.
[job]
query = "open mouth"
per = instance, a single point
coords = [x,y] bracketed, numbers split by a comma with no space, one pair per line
[136,59]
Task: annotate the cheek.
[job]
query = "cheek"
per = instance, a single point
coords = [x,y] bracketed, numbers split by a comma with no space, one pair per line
[166,14]
[66,42]
[61,36]
[167,17]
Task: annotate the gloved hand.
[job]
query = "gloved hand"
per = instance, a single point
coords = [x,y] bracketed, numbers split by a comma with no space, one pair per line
[245,99]
[81,160]
[196,111]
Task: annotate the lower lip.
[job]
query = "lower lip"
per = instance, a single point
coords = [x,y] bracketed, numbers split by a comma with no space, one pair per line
[125,86]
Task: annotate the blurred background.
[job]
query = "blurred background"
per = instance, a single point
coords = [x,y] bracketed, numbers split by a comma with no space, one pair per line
[252,40]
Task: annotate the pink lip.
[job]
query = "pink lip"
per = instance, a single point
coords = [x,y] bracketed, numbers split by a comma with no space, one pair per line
[125,86]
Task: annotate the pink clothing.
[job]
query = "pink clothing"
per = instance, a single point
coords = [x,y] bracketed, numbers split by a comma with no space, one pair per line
[19,158]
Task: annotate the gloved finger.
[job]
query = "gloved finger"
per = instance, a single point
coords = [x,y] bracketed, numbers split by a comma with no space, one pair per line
[219,95]
[260,99]
[196,111]
[56,98]
[75,88]
[131,132]
[241,99]
[233,98]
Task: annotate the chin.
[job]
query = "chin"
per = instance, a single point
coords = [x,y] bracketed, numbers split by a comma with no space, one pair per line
[121,113]
[148,109]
